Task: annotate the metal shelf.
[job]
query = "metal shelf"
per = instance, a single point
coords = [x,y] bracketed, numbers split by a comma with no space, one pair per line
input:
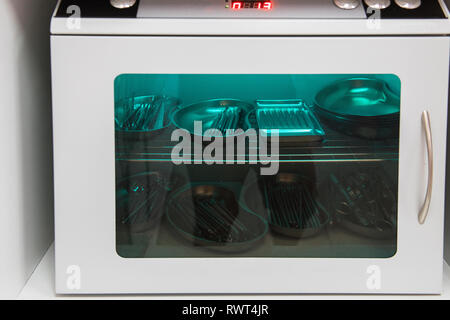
[336,147]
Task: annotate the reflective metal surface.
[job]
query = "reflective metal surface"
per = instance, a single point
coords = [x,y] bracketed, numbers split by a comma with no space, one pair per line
[347,4]
[359,97]
[122,4]
[409,4]
[378,4]
[292,118]
[360,106]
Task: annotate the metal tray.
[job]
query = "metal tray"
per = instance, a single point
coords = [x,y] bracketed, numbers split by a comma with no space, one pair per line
[293,119]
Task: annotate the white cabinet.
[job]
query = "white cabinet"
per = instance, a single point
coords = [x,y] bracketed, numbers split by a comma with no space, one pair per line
[86,162]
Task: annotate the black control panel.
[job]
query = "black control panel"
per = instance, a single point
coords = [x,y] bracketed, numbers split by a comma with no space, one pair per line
[429,9]
[95,9]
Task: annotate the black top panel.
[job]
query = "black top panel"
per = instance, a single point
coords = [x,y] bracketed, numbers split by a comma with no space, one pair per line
[96,9]
[430,9]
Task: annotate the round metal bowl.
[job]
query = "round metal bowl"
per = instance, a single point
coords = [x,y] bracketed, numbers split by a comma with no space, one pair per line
[140,201]
[381,230]
[364,202]
[381,234]
[361,107]
[257,199]
[208,112]
[141,118]
[208,215]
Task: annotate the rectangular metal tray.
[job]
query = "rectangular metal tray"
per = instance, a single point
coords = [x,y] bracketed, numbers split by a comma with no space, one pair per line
[293,119]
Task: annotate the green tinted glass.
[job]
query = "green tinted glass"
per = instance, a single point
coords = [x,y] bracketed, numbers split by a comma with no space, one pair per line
[256,165]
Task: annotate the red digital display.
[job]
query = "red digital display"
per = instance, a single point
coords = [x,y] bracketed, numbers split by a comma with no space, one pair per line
[261,5]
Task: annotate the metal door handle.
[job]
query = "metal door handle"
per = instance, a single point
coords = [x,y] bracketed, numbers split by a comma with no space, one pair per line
[426,205]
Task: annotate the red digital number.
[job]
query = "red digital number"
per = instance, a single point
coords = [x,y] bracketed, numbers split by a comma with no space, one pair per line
[260,5]
[236,5]
[267,5]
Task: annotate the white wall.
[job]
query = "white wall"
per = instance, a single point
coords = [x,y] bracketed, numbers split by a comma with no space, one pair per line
[26,195]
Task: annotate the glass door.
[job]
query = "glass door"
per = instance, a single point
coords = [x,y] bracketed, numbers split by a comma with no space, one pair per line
[257,165]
